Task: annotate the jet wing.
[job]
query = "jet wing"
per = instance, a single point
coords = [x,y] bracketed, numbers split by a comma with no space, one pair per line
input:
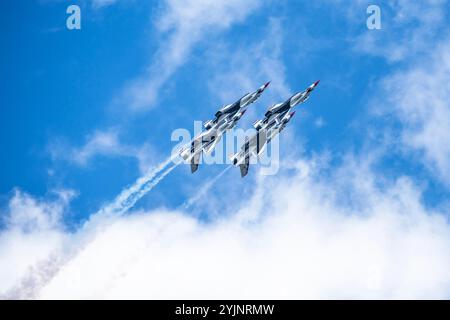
[193,152]
[211,140]
[210,146]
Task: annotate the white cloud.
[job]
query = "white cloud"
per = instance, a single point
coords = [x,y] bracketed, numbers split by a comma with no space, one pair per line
[104,143]
[99,143]
[305,235]
[29,214]
[182,24]
[419,97]
[34,230]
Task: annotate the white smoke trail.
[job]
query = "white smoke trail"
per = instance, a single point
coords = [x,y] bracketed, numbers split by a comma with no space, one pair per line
[186,205]
[143,189]
[129,196]
[203,190]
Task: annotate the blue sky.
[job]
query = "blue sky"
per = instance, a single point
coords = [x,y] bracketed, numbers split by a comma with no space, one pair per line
[89,111]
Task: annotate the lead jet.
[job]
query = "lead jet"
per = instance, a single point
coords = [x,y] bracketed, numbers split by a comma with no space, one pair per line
[224,119]
[277,111]
[256,144]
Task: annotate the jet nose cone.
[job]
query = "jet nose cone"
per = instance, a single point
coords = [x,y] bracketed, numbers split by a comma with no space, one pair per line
[316,83]
[266,85]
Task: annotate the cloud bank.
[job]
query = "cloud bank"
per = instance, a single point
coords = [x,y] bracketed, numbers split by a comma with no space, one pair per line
[302,235]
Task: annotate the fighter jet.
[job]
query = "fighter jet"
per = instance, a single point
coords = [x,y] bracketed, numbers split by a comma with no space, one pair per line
[256,144]
[225,119]
[228,111]
[277,111]
[275,120]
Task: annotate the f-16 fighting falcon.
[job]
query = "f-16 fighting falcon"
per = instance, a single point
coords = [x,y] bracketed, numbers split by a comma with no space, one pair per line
[256,144]
[225,119]
[277,111]
[275,120]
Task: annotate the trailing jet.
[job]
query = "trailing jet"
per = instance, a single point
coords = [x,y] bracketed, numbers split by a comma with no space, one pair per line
[275,120]
[277,111]
[224,119]
[256,144]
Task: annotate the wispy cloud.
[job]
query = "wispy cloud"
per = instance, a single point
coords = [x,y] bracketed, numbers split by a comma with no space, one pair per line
[181,25]
[413,39]
[106,143]
[407,28]
[238,69]
[419,98]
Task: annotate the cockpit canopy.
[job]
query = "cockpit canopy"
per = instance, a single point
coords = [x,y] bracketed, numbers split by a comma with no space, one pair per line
[224,108]
[275,106]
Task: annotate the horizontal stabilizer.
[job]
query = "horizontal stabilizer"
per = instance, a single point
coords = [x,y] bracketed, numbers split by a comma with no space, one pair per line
[244,166]
[195,161]
[244,169]
[194,167]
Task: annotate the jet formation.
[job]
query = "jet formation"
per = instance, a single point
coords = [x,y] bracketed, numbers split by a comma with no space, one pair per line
[224,119]
[275,120]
